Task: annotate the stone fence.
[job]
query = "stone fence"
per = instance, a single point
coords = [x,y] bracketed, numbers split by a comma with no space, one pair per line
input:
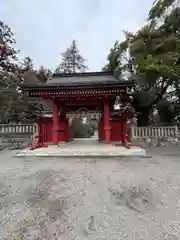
[16,136]
[155,132]
[137,132]
[19,129]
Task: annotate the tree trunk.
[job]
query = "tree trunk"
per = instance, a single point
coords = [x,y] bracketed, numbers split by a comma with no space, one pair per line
[143,117]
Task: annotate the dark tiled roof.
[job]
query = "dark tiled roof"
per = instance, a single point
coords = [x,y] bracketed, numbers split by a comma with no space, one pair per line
[79,81]
[83,79]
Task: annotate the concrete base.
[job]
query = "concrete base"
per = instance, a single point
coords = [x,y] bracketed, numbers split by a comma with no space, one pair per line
[83,147]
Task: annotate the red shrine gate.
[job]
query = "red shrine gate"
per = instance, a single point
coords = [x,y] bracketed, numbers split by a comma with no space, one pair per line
[70,92]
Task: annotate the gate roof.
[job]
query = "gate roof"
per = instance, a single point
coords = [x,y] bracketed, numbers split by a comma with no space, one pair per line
[85,80]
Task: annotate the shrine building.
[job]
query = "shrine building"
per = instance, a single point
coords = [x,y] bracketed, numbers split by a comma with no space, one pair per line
[70,93]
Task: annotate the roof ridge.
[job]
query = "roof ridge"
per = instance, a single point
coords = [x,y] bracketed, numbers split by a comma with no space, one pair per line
[81,74]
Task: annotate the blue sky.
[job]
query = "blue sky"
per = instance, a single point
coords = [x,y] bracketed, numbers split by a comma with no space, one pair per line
[43,28]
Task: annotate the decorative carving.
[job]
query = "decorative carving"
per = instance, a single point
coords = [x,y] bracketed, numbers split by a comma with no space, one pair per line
[97,98]
[81,98]
[129,90]
[81,94]
[84,112]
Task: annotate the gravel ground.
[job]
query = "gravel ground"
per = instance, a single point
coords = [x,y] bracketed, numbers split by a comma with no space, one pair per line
[89,198]
[169,151]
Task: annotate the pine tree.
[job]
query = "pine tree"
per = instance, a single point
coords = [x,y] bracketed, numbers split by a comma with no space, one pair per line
[71,60]
[27,64]
[43,74]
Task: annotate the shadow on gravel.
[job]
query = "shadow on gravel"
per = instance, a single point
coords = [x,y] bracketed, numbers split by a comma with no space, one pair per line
[137,198]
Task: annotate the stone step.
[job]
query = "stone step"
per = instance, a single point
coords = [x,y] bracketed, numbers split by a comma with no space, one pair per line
[100,150]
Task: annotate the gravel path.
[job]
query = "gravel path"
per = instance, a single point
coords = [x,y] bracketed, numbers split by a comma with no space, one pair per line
[89,199]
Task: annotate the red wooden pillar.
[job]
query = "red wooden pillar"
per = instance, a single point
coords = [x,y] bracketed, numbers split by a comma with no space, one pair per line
[107,127]
[55,128]
[66,130]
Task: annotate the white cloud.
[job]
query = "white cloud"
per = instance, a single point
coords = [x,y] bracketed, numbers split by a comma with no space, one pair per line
[43,29]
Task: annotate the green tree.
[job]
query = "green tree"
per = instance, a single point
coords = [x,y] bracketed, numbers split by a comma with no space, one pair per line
[162,9]
[7,51]
[27,64]
[9,75]
[166,111]
[153,57]
[27,108]
[71,60]
[15,105]
[43,74]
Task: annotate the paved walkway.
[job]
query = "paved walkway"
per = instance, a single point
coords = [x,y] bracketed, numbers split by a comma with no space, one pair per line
[83,147]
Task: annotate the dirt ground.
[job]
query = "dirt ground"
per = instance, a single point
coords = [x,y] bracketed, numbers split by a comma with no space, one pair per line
[136,198]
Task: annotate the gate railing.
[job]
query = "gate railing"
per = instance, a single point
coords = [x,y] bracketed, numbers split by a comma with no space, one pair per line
[17,128]
[154,132]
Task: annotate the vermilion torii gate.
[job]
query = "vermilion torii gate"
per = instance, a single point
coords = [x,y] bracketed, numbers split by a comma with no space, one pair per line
[70,92]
